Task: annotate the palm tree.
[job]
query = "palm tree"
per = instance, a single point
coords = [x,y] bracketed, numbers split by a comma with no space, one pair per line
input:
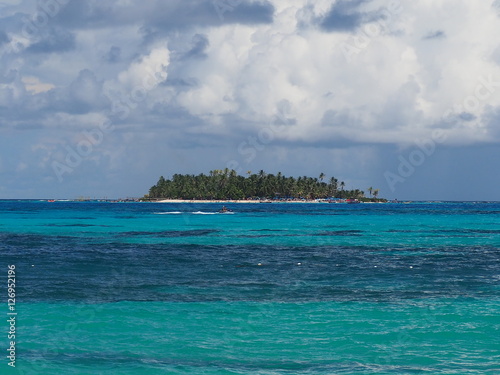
[333,186]
[375,193]
[321,176]
[342,185]
[370,190]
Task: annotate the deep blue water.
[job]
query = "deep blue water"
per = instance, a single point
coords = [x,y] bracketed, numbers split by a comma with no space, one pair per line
[141,288]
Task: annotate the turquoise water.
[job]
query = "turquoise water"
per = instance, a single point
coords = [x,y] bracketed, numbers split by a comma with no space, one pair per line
[142,288]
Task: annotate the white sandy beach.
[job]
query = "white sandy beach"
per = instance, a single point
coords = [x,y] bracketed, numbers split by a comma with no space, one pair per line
[236,201]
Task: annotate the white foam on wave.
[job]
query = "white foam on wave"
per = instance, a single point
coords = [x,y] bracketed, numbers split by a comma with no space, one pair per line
[193,213]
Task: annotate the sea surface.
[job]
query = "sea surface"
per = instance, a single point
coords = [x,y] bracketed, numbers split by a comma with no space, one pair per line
[271,289]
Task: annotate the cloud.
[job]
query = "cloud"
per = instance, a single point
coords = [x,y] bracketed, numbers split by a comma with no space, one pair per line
[55,40]
[249,13]
[149,70]
[34,86]
[113,55]
[465,116]
[491,118]
[496,6]
[404,100]
[346,16]
[4,38]
[200,44]
[438,34]
[85,91]
[164,15]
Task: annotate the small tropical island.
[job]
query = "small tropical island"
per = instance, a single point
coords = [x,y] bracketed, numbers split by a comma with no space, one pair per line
[227,185]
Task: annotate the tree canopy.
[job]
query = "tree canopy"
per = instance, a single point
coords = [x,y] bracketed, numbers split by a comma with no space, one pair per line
[227,184]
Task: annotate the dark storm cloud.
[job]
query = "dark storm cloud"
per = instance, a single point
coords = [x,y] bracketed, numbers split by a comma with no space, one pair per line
[345,16]
[249,13]
[164,15]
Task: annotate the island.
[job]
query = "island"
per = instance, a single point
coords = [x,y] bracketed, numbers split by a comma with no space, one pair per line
[228,185]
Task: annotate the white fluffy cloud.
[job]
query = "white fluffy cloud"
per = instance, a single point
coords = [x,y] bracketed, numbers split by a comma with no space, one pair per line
[399,82]
[148,72]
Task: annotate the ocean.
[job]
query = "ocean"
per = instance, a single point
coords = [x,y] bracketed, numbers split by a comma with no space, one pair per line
[271,289]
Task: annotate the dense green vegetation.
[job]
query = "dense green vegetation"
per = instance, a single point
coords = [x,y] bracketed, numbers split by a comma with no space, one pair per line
[227,184]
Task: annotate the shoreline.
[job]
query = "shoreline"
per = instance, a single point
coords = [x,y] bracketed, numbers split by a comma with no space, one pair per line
[229,201]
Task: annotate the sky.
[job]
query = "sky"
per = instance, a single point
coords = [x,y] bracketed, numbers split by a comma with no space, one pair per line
[99,98]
